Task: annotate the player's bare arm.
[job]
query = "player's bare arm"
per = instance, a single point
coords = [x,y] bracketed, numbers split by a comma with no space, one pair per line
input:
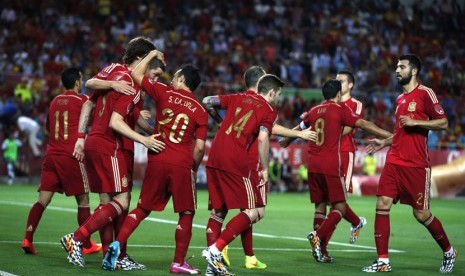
[307,134]
[263,153]
[372,128]
[346,130]
[118,124]
[139,71]
[437,124]
[199,151]
[285,142]
[84,117]
[122,87]
[212,104]
[378,144]
[142,121]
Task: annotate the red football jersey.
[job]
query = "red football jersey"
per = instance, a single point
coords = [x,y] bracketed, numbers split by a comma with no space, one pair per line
[180,120]
[348,141]
[63,122]
[327,120]
[101,137]
[246,113]
[409,145]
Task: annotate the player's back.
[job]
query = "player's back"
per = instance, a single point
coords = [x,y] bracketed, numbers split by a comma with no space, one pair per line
[63,122]
[327,120]
[239,129]
[102,138]
[180,120]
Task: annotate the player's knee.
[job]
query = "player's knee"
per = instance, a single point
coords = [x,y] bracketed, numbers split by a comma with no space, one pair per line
[188,212]
[421,215]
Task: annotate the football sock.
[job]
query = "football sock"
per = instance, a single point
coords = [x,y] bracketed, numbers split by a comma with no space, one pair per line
[183,236]
[351,217]
[118,224]
[213,230]
[434,226]
[101,217]
[382,232]
[324,242]
[329,224]
[106,236]
[247,241]
[238,224]
[82,215]
[130,223]
[318,219]
[33,220]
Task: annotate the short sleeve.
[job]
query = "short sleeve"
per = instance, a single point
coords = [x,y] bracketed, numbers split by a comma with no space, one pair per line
[350,118]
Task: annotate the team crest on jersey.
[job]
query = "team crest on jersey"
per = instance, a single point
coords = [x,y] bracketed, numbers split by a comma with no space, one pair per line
[124,182]
[412,106]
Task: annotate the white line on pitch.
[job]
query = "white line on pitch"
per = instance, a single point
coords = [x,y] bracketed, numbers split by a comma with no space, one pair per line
[203,227]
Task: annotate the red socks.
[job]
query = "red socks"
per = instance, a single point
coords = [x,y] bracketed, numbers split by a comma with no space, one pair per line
[33,220]
[183,236]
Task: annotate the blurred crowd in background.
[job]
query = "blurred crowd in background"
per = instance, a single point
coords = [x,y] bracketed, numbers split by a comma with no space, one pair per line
[303,42]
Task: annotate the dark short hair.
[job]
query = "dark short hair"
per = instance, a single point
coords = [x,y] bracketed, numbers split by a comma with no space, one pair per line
[350,76]
[137,48]
[191,75]
[330,89]
[252,75]
[414,61]
[268,82]
[156,63]
[70,76]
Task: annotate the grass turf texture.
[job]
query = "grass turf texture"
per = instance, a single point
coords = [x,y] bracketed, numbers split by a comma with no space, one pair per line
[281,242]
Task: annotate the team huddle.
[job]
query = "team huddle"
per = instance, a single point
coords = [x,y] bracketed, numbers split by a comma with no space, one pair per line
[91,148]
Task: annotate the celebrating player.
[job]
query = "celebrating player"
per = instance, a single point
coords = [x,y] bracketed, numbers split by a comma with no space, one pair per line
[407,175]
[61,172]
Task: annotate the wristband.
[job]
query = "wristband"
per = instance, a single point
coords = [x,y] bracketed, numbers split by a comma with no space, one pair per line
[81,135]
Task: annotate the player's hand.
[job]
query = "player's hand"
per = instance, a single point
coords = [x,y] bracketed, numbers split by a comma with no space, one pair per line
[263,177]
[123,87]
[375,145]
[407,121]
[152,143]
[145,114]
[284,143]
[159,55]
[308,134]
[78,152]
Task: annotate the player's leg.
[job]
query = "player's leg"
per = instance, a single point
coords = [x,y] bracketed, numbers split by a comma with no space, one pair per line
[382,232]
[82,200]
[33,219]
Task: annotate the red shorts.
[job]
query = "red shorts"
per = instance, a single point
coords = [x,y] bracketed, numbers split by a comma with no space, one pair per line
[63,173]
[347,165]
[129,160]
[231,191]
[326,188]
[107,174]
[163,180]
[409,184]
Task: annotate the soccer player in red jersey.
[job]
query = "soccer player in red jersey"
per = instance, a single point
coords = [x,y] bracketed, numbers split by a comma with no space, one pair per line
[61,172]
[104,155]
[215,223]
[407,175]
[136,117]
[325,176]
[347,152]
[230,178]
[182,123]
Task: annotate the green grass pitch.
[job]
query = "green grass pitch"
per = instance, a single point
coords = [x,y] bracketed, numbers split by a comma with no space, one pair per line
[279,241]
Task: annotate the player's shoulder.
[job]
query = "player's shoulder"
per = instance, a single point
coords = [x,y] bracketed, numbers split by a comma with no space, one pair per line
[428,92]
[110,69]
